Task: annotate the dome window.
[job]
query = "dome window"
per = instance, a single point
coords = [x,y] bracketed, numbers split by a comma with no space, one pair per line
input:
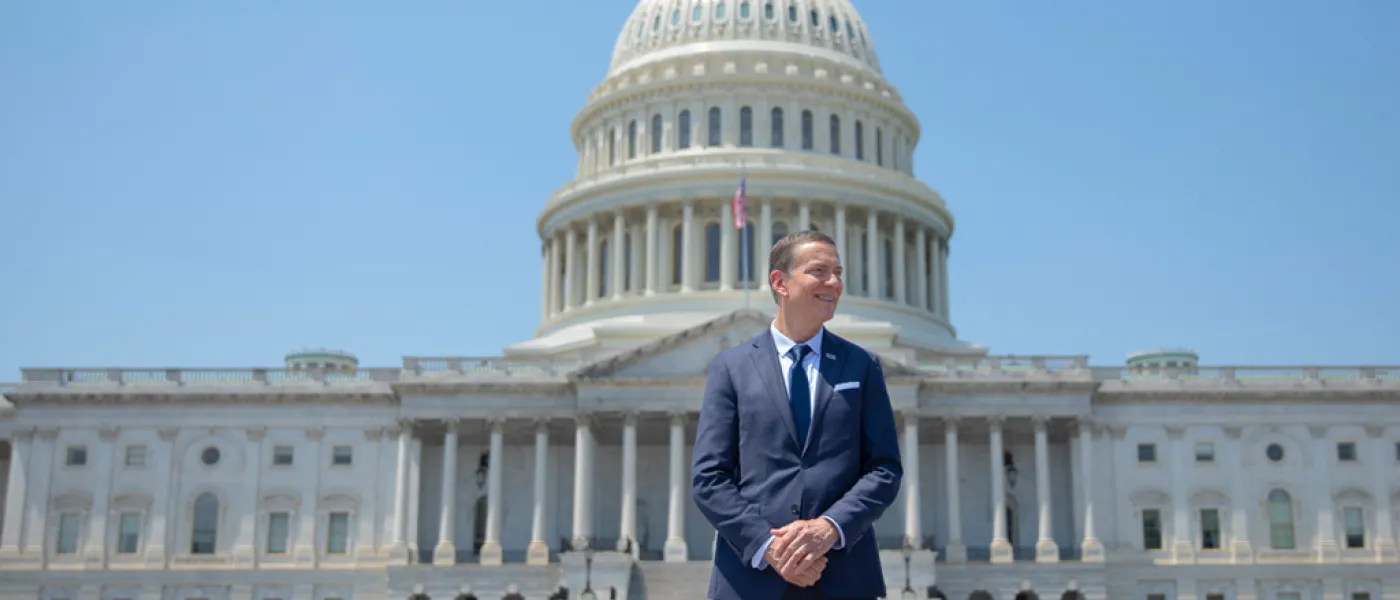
[656,23]
[792,13]
[816,19]
[697,13]
[768,11]
[850,32]
[676,18]
[744,10]
[832,22]
[719,11]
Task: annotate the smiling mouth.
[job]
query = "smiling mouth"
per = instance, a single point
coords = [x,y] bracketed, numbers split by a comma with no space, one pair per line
[826,298]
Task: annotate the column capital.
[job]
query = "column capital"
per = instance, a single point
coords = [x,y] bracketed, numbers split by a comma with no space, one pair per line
[950,423]
[910,415]
[22,434]
[996,421]
[315,434]
[1039,422]
[372,434]
[452,426]
[107,434]
[1174,432]
[1318,431]
[1084,422]
[1233,431]
[1117,430]
[48,434]
[255,434]
[629,418]
[392,433]
[167,434]
[583,419]
[497,425]
[679,417]
[1374,431]
[541,424]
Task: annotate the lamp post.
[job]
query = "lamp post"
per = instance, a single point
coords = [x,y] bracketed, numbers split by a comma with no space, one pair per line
[587,593]
[908,551]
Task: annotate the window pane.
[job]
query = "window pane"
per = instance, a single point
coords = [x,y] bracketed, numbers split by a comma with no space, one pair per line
[338,530]
[1210,529]
[806,130]
[136,456]
[746,127]
[714,125]
[1356,528]
[129,534]
[684,130]
[1147,453]
[1280,520]
[342,455]
[206,524]
[777,125]
[277,533]
[835,134]
[68,533]
[1151,529]
[712,252]
[655,134]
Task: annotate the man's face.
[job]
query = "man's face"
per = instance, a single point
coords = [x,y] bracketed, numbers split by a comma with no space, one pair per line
[813,287]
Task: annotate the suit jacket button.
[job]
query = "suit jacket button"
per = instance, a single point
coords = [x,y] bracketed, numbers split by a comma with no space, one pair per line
[794,509]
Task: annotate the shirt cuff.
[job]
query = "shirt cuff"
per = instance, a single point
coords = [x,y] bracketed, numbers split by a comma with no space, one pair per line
[758,556]
[842,542]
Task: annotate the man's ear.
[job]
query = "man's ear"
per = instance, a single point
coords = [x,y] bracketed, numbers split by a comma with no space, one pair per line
[777,282]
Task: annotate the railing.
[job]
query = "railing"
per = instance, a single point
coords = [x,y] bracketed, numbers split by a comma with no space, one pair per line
[1248,375]
[1008,366]
[466,365]
[258,376]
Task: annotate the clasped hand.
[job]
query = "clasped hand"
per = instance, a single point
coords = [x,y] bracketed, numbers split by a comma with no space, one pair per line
[798,551]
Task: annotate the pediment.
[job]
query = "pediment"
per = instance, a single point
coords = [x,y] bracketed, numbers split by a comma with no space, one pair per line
[685,354]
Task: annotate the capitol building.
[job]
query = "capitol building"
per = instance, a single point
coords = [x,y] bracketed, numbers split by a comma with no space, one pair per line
[561,468]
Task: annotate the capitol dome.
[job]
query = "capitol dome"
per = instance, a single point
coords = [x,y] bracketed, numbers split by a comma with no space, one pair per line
[784,95]
[659,29]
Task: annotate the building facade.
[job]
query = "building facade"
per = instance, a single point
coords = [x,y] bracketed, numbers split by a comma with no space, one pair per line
[561,467]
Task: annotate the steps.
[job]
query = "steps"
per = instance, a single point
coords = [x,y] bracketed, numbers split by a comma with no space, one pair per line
[670,581]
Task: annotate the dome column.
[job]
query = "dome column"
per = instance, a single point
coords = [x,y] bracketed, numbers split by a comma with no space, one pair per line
[943,280]
[652,264]
[591,277]
[546,306]
[726,247]
[872,253]
[804,216]
[840,234]
[687,247]
[618,247]
[921,267]
[900,290]
[571,286]
[763,242]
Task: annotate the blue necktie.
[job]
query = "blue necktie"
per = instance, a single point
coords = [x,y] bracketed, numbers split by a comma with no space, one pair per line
[800,394]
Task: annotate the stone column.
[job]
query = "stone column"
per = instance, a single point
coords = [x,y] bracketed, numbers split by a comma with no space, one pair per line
[538,551]
[1382,457]
[491,542]
[872,251]
[571,286]
[556,281]
[41,466]
[727,247]
[956,549]
[1046,551]
[583,481]
[913,522]
[804,215]
[943,281]
[1001,547]
[162,505]
[901,295]
[763,242]
[445,553]
[366,544]
[1240,548]
[619,249]
[652,265]
[1183,549]
[12,540]
[245,545]
[309,514]
[640,259]
[1091,548]
[840,234]
[688,246]
[547,297]
[398,548]
[921,267]
[1324,451]
[591,294]
[627,536]
[676,550]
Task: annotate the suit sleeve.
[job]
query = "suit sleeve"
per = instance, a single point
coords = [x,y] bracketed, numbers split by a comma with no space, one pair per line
[714,484]
[877,487]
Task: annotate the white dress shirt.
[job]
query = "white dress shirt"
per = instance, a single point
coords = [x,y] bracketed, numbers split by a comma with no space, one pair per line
[811,366]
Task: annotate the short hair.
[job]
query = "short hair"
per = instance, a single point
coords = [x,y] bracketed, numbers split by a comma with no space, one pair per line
[784,252]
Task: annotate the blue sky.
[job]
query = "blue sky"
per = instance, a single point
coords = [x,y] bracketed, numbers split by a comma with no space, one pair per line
[215,183]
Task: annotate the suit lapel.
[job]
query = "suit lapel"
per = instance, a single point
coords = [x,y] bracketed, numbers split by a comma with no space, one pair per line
[765,360]
[833,362]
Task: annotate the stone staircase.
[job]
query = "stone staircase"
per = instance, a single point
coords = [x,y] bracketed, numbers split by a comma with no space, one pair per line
[654,580]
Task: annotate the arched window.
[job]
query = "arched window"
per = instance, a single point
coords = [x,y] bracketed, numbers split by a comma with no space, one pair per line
[879,146]
[746,127]
[744,10]
[806,130]
[684,130]
[1280,520]
[627,262]
[677,254]
[835,134]
[780,231]
[655,134]
[777,132]
[768,10]
[860,141]
[746,251]
[792,13]
[676,18]
[712,234]
[714,126]
[612,147]
[632,140]
[816,19]
[697,13]
[719,11]
[865,263]
[206,524]
[604,268]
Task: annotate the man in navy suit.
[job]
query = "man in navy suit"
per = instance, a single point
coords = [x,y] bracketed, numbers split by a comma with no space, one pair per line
[796,454]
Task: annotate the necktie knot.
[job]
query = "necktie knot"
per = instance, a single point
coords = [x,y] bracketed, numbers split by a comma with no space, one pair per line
[799,352]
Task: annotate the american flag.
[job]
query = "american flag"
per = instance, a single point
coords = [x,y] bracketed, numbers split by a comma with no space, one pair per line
[740,213]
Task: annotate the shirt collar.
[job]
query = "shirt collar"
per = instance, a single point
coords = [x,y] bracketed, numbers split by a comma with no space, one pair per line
[784,344]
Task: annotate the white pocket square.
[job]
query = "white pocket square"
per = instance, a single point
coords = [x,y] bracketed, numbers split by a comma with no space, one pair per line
[849,385]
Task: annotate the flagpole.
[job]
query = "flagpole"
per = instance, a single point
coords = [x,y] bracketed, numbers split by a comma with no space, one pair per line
[743,236]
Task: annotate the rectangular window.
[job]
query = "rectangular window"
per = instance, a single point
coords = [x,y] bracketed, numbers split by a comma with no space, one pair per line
[77,456]
[1215,596]
[337,533]
[1205,452]
[1147,453]
[1356,527]
[129,533]
[1152,529]
[1288,596]
[277,532]
[1346,451]
[1361,596]
[341,455]
[282,456]
[135,456]
[68,533]
[1210,529]
[1156,597]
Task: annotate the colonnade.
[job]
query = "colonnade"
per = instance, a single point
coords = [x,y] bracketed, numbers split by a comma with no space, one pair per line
[662,251]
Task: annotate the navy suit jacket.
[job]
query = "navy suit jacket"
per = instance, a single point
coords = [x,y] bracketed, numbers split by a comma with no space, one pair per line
[749,475]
